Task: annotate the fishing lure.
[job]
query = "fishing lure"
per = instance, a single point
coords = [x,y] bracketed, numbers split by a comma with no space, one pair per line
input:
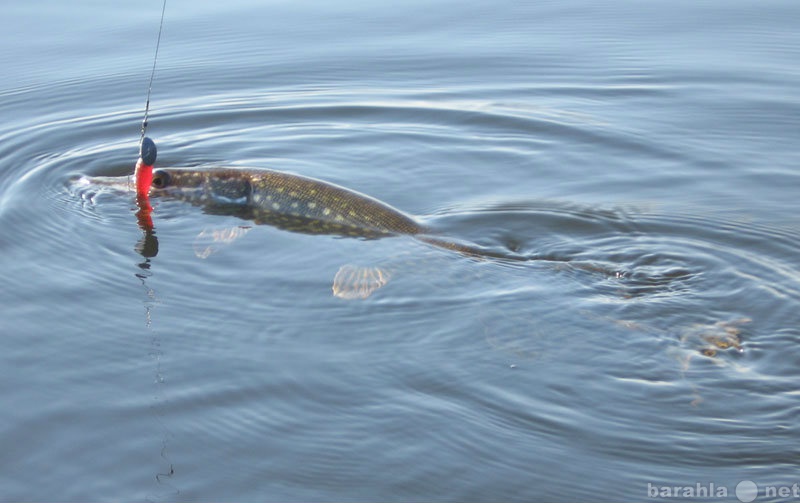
[143,173]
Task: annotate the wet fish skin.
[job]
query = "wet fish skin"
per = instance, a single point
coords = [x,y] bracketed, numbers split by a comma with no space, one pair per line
[285,200]
[301,204]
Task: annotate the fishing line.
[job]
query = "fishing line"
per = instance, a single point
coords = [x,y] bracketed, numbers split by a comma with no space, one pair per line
[143,173]
[153,72]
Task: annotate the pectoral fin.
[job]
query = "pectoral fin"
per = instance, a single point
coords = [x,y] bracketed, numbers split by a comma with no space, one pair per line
[356,282]
[209,241]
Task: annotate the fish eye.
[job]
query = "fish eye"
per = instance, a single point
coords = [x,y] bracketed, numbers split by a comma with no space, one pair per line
[160,179]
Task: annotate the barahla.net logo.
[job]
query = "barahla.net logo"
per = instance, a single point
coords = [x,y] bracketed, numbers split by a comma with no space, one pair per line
[745,491]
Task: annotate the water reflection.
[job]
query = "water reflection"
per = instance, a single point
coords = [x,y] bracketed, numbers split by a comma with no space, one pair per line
[147,247]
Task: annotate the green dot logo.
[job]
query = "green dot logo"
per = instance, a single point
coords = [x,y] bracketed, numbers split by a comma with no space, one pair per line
[746,491]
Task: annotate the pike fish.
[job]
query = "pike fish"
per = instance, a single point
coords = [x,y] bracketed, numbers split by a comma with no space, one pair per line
[297,203]
[288,201]
[302,204]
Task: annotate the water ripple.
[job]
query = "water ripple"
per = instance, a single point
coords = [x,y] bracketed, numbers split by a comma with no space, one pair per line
[607,316]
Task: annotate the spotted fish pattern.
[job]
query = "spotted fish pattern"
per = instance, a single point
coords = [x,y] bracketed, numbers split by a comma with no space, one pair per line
[285,200]
[301,204]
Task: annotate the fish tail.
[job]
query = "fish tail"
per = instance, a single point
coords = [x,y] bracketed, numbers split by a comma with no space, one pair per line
[470,250]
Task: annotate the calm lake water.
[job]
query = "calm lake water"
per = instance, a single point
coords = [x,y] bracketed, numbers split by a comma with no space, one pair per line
[645,154]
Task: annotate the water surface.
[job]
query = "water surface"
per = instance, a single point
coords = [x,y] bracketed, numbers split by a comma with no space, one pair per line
[647,151]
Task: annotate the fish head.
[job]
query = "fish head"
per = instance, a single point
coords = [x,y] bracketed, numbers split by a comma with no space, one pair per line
[227,187]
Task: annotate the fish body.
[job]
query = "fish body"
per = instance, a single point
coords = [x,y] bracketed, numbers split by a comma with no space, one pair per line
[285,200]
[307,205]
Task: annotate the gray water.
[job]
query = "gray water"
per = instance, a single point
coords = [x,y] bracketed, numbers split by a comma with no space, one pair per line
[647,150]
